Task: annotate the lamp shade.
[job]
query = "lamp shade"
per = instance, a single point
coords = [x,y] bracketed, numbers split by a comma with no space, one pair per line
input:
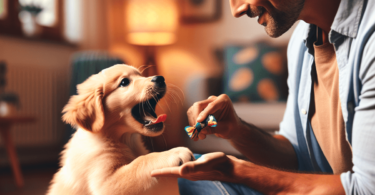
[151,22]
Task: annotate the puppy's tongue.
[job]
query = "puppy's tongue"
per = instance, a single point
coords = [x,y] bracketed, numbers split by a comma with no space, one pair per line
[161,118]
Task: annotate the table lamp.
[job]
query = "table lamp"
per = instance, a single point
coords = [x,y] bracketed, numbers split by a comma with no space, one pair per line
[151,23]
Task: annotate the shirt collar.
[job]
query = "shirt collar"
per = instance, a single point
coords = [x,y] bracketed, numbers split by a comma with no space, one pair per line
[346,21]
[348,17]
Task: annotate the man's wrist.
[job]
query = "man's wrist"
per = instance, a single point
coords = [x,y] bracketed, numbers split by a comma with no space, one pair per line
[239,129]
[263,179]
[272,181]
[239,168]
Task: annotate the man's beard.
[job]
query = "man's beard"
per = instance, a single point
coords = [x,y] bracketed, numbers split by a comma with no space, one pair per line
[281,20]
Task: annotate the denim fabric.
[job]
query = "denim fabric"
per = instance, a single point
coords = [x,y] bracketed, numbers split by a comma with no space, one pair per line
[352,34]
[203,187]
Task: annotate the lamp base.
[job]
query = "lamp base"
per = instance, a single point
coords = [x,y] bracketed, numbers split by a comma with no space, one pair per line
[150,63]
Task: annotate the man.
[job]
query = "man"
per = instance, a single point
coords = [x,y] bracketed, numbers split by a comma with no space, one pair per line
[326,143]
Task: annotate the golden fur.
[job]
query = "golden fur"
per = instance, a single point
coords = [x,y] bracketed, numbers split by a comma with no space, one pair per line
[106,155]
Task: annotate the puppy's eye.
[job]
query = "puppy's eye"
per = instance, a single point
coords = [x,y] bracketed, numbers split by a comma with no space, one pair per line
[124,82]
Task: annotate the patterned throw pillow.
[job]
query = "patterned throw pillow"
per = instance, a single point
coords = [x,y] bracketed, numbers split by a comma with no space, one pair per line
[255,73]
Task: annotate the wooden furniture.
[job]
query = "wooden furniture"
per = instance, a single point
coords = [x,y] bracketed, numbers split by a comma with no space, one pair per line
[5,126]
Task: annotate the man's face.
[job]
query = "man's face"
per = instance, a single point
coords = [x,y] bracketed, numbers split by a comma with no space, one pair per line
[276,15]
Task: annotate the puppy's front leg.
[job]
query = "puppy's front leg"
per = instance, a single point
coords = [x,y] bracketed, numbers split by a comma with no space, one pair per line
[135,177]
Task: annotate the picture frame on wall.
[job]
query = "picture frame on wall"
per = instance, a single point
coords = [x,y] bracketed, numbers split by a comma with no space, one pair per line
[200,11]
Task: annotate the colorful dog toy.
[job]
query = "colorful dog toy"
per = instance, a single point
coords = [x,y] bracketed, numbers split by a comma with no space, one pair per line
[195,130]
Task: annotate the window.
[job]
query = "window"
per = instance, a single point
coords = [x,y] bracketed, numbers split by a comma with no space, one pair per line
[56,20]
[48,15]
[32,18]
[73,20]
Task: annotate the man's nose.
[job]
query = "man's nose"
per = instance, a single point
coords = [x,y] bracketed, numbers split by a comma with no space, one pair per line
[238,8]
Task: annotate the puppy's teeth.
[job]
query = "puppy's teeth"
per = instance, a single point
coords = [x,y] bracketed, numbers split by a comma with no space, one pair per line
[148,123]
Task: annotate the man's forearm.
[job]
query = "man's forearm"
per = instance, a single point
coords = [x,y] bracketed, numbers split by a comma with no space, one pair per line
[264,149]
[271,181]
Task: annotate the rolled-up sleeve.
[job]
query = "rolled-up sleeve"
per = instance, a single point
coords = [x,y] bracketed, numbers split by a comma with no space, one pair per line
[361,180]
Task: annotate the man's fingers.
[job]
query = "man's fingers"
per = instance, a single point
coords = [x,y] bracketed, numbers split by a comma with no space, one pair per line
[203,164]
[192,117]
[166,172]
[207,130]
[195,109]
[201,136]
[210,109]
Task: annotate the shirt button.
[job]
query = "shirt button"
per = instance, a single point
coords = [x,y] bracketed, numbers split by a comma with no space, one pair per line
[351,107]
[303,111]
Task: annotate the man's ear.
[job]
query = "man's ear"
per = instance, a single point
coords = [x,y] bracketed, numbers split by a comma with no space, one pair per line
[86,108]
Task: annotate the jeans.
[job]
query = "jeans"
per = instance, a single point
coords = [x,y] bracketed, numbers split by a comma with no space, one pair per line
[204,187]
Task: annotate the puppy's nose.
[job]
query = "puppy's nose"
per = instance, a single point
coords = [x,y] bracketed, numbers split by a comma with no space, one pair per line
[159,81]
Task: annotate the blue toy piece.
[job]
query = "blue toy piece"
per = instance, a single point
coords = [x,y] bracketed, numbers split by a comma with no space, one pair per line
[196,156]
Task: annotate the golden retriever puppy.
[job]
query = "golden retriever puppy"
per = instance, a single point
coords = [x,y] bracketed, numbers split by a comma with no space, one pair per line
[106,155]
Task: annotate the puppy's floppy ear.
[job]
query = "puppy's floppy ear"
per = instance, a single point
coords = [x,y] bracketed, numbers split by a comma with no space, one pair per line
[86,108]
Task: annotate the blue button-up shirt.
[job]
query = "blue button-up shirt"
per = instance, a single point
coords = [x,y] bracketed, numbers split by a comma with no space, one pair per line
[353,37]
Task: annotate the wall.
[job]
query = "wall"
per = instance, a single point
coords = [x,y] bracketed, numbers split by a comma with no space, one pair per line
[194,49]
[191,56]
[104,28]
[20,52]
[27,60]
[27,54]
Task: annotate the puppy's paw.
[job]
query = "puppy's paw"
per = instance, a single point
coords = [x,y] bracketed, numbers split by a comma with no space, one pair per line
[178,156]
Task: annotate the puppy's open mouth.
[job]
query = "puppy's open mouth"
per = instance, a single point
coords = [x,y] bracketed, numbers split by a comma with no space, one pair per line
[144,113]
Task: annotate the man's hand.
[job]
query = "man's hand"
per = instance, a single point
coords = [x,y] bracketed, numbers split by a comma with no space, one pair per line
[219,167]
[221,107]
[258,146]
[211,166]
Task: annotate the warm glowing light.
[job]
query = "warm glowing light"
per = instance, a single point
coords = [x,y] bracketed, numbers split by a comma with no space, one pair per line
[3,9]
[151,38]
[151,22]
